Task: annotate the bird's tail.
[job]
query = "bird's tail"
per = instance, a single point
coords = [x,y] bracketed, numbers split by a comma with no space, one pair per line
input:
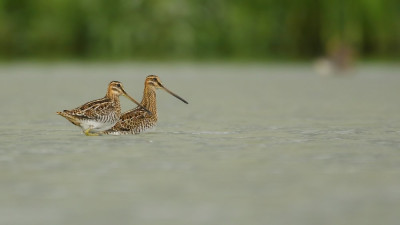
[69,117]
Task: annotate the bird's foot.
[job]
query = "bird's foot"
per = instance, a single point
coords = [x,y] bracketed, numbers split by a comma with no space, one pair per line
[88,133]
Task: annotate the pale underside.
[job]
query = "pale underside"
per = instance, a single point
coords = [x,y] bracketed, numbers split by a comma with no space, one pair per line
[96,126]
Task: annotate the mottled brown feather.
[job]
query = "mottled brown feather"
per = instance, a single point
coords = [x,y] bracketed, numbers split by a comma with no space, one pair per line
[96,108]
[137,120]
[102,112]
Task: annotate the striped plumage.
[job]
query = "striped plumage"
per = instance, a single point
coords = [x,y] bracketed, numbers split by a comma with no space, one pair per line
[137,120]
[101,114]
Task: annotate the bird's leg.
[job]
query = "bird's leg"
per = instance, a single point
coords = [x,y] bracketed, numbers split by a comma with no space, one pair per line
[87,132]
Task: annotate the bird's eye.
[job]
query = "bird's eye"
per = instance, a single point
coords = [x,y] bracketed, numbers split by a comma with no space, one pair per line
[154,79]
[118,85]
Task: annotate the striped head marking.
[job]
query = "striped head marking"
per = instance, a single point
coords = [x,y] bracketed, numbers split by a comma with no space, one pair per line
[155,82]
[115,88]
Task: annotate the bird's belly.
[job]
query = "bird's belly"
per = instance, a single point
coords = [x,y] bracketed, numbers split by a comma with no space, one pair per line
[96,126]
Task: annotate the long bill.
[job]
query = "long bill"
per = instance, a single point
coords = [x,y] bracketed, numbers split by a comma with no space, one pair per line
[133,100]
[172,93]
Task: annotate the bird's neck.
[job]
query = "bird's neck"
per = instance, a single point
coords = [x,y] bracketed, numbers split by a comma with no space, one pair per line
[149,99]
[115,99]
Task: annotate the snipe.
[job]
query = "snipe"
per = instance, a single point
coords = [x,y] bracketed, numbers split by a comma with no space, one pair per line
[138,120]
[101,114]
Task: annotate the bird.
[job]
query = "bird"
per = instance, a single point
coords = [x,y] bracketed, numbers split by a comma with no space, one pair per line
[101,114]
[138,120]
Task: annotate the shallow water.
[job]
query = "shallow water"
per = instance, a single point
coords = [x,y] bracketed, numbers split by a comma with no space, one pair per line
[257,144]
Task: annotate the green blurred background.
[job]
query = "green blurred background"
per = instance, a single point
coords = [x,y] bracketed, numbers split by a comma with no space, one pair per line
[197,29]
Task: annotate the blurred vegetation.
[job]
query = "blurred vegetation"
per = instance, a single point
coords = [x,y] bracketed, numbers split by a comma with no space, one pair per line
[198,29]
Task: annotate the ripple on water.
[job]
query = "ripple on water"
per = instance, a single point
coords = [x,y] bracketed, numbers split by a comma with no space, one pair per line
[213,132]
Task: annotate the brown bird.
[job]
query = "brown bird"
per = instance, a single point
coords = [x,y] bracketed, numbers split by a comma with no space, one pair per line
[138,120]
[101,114]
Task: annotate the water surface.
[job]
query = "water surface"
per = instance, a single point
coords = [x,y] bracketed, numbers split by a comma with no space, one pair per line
[257,144]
